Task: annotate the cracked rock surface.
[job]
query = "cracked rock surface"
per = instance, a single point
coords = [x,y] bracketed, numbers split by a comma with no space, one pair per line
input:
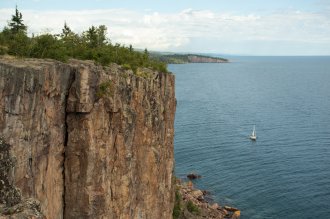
[89,141]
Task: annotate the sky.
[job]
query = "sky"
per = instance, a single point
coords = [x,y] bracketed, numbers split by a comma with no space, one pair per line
[234,27]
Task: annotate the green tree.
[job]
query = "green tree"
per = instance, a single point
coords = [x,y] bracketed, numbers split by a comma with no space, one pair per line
[91,37]
[96,36]
[92,44]
[145,58]
[16,23]
[3,46]
[66,31]
[5,36]
[72,42]
[19,44]
[101,35]
[48,46]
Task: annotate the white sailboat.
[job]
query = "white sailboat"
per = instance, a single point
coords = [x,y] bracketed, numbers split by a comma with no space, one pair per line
[253,136]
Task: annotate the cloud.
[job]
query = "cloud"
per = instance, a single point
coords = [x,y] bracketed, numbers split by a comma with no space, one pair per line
[178,31]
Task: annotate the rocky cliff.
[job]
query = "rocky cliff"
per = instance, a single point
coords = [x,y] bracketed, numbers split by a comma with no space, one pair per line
[88,141]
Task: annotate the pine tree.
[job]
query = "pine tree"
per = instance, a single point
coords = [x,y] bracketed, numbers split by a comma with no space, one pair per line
[101,35]
[16,24]
[91,37]
[66,31]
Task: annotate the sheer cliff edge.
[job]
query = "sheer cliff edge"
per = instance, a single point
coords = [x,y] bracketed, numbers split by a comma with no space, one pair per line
[87,141]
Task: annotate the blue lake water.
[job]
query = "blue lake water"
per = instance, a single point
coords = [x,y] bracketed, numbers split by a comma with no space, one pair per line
[286,172]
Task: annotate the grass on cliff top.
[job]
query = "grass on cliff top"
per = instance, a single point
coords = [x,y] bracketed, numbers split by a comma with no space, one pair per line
[91,44]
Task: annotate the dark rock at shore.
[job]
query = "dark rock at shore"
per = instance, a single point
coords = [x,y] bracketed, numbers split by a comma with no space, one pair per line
[192,176]
[205,192]
[230,208]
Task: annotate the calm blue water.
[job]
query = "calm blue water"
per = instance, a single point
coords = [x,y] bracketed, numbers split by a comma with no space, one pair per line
[286,173]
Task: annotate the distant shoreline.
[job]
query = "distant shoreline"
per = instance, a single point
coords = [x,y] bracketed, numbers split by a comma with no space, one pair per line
[187,58]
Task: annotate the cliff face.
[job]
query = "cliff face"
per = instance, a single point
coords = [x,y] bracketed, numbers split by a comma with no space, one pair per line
[88,141]
[32,121]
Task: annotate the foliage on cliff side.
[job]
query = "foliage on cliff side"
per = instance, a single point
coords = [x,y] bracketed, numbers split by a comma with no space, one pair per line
[184,208]
[91,44]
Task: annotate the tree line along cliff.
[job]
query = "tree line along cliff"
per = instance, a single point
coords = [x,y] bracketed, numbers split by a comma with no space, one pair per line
[91,44]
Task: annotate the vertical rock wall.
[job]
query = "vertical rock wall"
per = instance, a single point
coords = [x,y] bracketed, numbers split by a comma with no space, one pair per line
[32,113]
[89,142]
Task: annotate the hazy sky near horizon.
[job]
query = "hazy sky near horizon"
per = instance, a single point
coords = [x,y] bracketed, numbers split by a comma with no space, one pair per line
[245,27]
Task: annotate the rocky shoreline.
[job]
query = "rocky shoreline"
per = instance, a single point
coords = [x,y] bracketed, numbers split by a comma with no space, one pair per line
[193,203]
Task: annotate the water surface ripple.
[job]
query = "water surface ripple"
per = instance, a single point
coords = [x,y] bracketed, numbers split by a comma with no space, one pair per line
[286,172]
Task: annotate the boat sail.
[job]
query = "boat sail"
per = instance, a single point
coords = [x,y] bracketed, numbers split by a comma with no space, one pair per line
[253,136]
